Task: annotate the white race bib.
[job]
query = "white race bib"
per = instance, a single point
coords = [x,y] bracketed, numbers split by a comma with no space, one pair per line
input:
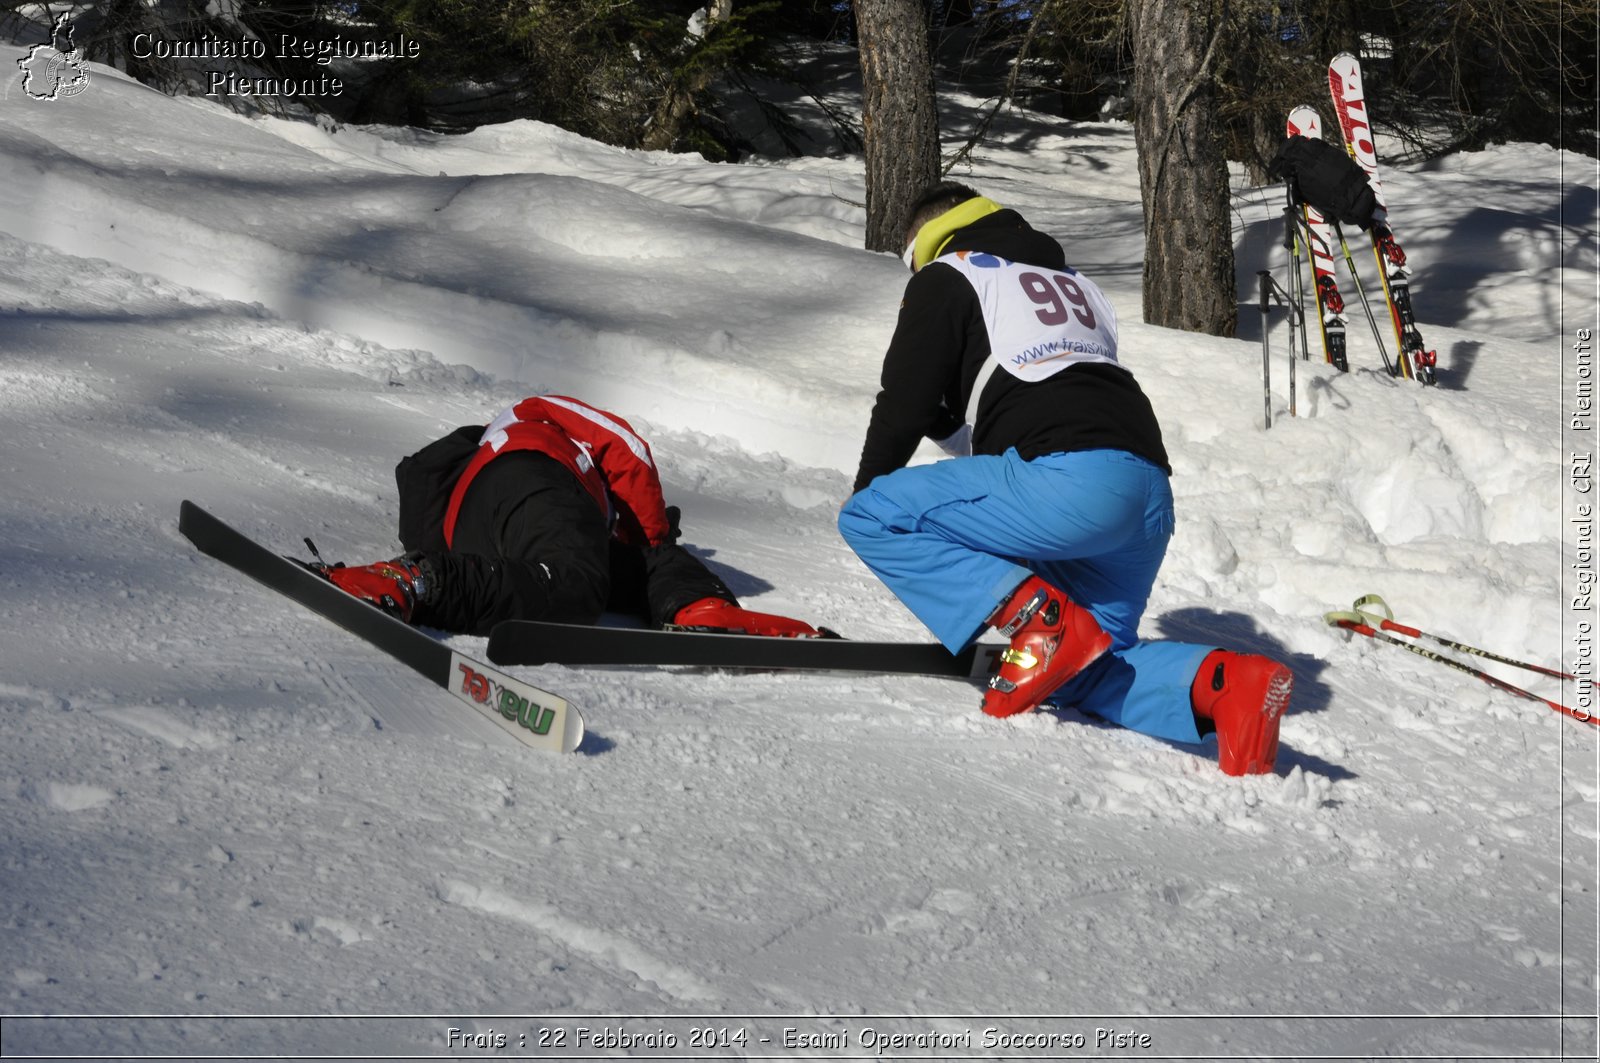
[1040,321]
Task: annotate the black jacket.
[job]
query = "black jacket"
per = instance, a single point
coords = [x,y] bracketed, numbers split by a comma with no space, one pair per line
[530,544]
[940,343]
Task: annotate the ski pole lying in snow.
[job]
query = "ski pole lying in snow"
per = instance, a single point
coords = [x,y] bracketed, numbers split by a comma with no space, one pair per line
[1371,616]
[1374,608]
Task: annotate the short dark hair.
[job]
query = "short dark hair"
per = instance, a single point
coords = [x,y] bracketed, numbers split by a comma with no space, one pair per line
[944,196]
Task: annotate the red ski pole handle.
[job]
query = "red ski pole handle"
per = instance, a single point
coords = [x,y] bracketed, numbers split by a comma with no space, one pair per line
[1354,622]
[1373,608]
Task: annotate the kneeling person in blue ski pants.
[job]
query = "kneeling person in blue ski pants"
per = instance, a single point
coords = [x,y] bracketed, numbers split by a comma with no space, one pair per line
[1053,522]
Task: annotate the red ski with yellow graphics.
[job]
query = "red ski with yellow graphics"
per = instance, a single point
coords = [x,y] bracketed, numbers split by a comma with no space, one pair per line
[1305,122]
[1416,361]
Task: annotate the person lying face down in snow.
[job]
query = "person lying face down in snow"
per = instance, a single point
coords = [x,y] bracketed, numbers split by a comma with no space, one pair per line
[1053,519]
[553,511]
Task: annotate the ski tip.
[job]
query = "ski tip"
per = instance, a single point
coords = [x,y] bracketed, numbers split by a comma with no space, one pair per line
[536,717]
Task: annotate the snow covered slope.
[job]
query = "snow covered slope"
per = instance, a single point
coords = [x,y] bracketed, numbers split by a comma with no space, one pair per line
[212,803]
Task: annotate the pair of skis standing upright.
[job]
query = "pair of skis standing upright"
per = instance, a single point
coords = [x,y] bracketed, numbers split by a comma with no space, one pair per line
[1319,234]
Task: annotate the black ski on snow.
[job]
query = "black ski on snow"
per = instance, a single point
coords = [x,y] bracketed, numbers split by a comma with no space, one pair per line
[535,717]
[538,642]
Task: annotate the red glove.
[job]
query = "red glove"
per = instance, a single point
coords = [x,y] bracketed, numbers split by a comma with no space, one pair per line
[714,614]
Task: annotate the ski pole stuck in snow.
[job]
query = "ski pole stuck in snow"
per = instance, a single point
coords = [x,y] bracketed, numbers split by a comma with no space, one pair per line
[1271,290]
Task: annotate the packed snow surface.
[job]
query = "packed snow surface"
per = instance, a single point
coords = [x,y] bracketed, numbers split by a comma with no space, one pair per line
[213,803]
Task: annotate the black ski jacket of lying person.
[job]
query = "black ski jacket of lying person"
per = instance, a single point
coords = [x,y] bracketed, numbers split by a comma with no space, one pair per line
[531,544]
[941,344]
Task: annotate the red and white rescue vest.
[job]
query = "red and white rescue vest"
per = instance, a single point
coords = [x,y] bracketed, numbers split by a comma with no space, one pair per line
[612,462]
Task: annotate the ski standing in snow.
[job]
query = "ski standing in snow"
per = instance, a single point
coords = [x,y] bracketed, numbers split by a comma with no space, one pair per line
[1050,522]
[1416,361]
[1318,240]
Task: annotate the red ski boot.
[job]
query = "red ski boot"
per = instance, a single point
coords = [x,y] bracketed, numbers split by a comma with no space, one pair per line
[393,586]
[1244,696]
[1052,640]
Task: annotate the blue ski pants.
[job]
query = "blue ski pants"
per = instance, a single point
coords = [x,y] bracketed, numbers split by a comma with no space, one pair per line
[953,539]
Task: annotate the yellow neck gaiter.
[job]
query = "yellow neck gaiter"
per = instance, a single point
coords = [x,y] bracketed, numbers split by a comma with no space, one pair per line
[932,237]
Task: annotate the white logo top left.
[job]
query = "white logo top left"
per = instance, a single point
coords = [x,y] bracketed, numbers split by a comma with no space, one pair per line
[57,70]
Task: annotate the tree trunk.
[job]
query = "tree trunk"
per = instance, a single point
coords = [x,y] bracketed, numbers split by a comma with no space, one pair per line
[1183,177]
[899,118]
[678,105]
